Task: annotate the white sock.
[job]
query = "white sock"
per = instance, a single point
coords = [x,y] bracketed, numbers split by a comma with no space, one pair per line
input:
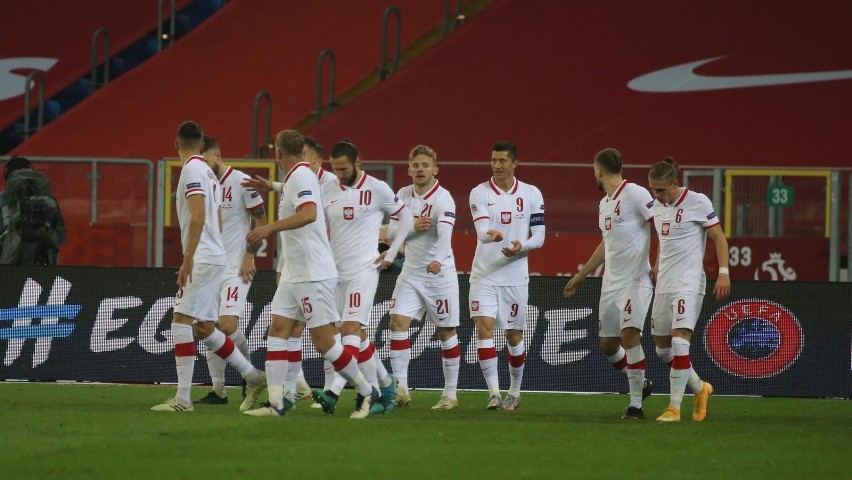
[241,343]
[619,360]
[366,363]
[400,357]
[184,360]
[277,365]
[381,372]
[294,356]
[636,374]
[680,372]
[665,354]
[450,362]
[216,367]
[488,364]
[517,358]
[225,348]
[347,367]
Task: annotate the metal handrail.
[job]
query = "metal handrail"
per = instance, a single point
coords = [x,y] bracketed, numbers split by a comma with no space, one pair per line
[160,24]
[458,18]
[383,71]
[101,32]
[33,75]
[255,119]
[332,68]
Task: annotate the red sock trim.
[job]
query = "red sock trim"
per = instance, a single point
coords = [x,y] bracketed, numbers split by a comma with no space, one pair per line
[372,348]
[487,353]
[342,361]
[454,352]
[277,355]
[352,350]
[227,348]
[365,355]
[400,344]
[185,349]
[640,365]
[295,355]
[517,361]
[681,362]
[621,364]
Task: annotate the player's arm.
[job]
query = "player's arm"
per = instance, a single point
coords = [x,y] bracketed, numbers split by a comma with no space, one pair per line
[305,214]
[723,283]
[260,184]
[595,261]
[248,269]
[481,219]
[404,221]
[442,247]
[195,203]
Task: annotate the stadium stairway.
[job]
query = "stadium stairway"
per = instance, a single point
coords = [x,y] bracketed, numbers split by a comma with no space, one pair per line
[215,72]
[212,76]
[555,77]
[132,30]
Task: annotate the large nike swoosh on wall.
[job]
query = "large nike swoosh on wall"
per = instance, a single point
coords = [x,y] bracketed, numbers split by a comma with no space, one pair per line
[682,78]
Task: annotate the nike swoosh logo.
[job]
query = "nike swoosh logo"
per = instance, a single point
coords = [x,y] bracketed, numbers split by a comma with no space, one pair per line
[334,201]
[492,203]
[682,78]
[230,306]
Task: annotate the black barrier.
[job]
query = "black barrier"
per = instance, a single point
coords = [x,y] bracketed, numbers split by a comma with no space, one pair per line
[113,325]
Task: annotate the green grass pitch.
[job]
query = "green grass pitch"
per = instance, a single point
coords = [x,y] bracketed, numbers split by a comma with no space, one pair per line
[82,431]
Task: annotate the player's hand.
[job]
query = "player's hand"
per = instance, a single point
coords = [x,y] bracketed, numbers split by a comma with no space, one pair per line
[573,285]
[257,184]
[184,275]
[248,269]
[723,287]
[434,267]
[258,234]
[513,250]
[495,235]
[422,224]
[381,263]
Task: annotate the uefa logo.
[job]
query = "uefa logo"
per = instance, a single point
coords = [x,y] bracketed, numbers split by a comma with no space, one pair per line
[753,338]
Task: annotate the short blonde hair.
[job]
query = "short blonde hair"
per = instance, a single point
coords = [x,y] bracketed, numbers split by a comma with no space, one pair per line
[290,142]
[423,150]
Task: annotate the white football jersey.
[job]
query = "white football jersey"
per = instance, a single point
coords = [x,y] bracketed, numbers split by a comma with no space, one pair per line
[196,178]
[306,254]
[624,222]
[354,215]
[682,230]
[513,214]
[323,177]
[237,204]
[421,247]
